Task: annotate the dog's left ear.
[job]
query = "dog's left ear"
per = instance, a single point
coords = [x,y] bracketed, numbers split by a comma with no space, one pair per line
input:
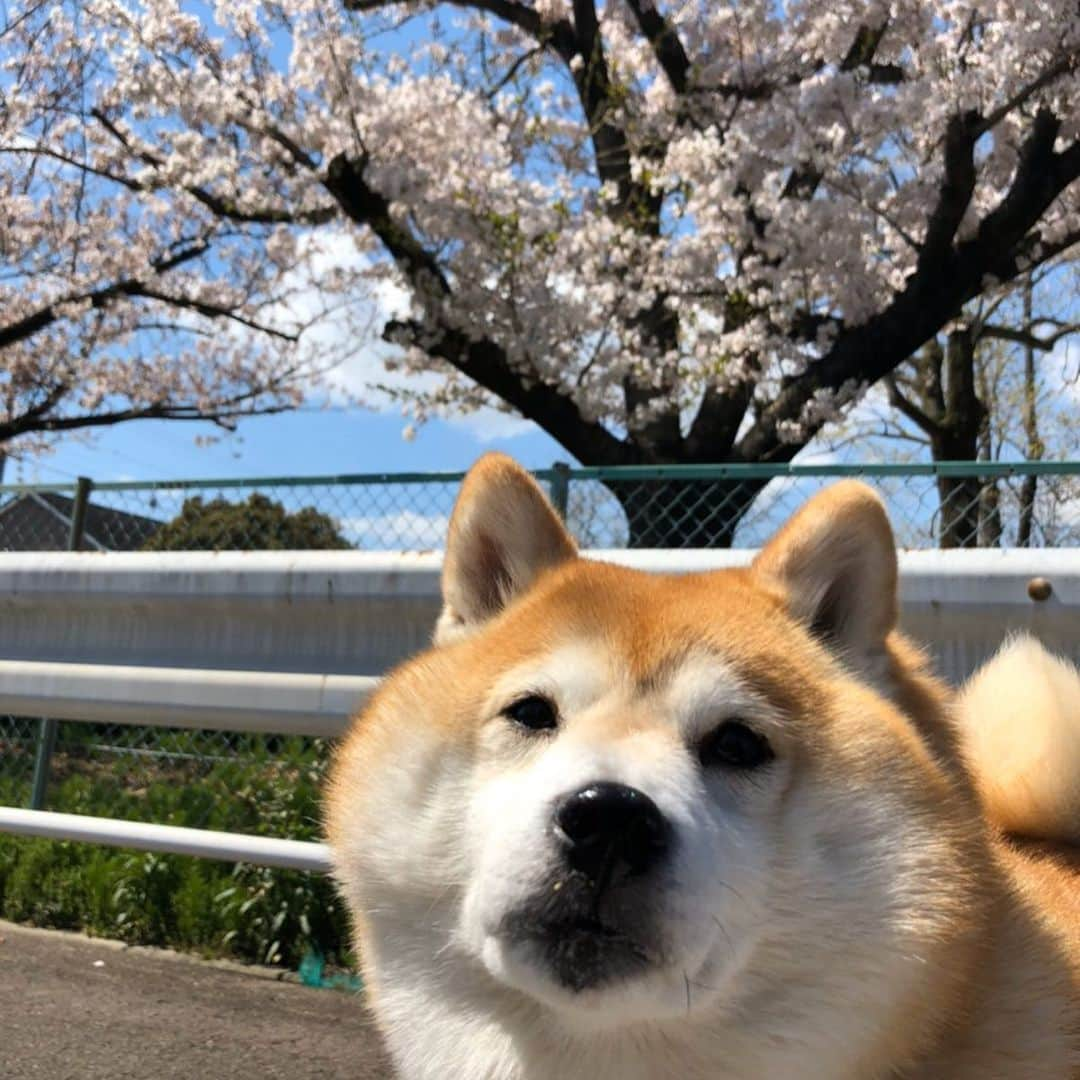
[503,534]
[834,565]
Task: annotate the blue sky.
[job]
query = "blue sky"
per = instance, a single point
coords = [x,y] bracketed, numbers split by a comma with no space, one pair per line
[309,442]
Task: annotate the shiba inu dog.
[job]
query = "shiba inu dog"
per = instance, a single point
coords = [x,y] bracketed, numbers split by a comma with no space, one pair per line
[725,825]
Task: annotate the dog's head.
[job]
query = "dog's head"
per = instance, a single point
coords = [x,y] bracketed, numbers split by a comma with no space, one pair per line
[628,798]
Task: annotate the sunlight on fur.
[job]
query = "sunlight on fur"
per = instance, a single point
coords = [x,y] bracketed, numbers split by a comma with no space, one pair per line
[723,825]
[1021,721]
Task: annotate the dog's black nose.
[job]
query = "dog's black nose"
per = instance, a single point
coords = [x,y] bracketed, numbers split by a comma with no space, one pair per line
[611,831]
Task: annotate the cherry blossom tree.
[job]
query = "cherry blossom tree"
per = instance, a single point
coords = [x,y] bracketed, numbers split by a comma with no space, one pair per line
[119,301]
[673,233]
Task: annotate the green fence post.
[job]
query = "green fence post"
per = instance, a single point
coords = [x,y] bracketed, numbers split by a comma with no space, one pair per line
[46,736]
[560,487]
[78,513]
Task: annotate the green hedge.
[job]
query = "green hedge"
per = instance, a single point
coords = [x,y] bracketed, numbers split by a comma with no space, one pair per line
[247,912]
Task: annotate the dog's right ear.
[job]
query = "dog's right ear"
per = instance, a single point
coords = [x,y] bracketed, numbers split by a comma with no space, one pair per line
[503,534]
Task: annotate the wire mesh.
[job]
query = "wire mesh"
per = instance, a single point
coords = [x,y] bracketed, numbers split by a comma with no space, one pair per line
[954,505]
[1015,508]
[246,783]
[219,780]
[18,737]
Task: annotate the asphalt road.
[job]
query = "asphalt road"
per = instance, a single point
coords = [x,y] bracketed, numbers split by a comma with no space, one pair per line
[74,1007]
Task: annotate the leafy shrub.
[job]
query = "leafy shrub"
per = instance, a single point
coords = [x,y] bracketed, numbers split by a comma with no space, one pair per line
[247,912]
[259,524]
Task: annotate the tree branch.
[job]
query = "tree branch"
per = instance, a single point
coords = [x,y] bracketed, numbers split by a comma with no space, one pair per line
[591,79]
[610,149]
[514,68]
[210,310]
[957,187]
[365,206]
[524,18]
[232,410]
[1062,66]
[486,364]
[224,208]
[1041,176]
[483,361]
[1027,338]
[1003,246]
[803,182]
[46,316]
[665,43]
[906,407]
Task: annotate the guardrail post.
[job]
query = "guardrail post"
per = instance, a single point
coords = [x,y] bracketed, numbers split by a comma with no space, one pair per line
[47,727]
[560,487]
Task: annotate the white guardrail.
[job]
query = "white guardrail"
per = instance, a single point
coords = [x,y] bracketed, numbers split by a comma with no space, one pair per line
[293,642]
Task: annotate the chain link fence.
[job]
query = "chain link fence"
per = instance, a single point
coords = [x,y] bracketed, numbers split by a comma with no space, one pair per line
[944,505]
[955,505]
[269,785]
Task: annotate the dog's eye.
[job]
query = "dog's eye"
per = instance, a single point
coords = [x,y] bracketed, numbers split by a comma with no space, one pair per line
[533,712]
[735,746]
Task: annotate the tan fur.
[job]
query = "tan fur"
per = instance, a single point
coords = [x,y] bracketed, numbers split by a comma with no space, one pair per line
[987,979]
[1021,719]
[503,534]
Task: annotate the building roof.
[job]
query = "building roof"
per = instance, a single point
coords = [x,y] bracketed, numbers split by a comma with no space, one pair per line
[41,521]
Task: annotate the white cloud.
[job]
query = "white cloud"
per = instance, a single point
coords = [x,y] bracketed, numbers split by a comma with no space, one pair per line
[353,334]
[403,530]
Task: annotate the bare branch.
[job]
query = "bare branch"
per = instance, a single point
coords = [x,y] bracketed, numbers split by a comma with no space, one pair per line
[486,364]
[906,407]
[1028,338]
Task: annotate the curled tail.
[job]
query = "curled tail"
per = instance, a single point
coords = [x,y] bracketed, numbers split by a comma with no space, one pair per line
[1020,718]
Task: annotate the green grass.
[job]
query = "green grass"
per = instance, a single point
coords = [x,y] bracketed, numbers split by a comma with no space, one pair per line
[247,912]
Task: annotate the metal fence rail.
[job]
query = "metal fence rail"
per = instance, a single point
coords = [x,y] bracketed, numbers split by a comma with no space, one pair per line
[136,747]
[66,652]
[202,843]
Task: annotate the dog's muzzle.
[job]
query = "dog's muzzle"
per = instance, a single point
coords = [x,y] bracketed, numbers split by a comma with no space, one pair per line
[592,921]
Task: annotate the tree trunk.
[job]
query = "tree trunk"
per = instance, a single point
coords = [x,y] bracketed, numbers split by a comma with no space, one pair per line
[991,529]
[956,438]
[1033,448]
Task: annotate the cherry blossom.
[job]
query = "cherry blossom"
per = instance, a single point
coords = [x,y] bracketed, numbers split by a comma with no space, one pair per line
[666,233]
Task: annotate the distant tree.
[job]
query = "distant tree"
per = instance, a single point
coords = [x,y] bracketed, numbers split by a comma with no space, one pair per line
[260,524]
[998,385]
